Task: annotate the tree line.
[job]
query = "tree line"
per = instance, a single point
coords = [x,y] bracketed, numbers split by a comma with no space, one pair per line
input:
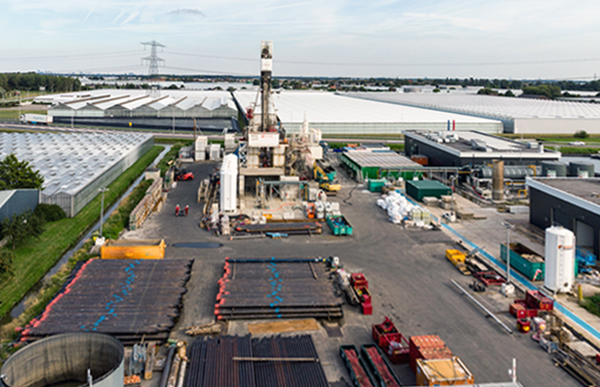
[33,82]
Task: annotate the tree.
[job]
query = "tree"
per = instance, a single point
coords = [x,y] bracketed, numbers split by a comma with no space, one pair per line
[20,226]
[6,261]
[15,174]
[509,93]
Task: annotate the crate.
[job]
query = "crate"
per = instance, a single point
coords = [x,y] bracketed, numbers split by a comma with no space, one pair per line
[532,270]
[443,372]
[339,225]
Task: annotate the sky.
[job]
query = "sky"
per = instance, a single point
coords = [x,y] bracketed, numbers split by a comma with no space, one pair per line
[524,39]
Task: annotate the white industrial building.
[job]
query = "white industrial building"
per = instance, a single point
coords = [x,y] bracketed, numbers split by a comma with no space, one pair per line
[75,165]
[519,115]
[339,114]
[141,103]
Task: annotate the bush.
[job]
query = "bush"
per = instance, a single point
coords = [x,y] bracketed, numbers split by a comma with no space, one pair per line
[120,219]
[581,134]
[19,227]
[6,261]
[49,212]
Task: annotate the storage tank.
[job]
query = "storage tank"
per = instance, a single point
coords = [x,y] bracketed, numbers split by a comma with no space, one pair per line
[560,259]
[554,169]
[513,172]
[229,178]
[65,360]
[581,169]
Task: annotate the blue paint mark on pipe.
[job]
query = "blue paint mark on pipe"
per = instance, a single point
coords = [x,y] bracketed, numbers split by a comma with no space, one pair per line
[562,309]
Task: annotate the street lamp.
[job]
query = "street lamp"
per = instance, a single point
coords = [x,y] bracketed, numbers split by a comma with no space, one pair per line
[103,190]
[507,288]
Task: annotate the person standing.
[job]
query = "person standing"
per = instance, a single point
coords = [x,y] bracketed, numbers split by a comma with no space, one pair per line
[187,208]
[177,210]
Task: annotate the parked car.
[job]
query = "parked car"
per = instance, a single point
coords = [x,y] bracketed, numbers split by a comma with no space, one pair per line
[577,143]
[183,174]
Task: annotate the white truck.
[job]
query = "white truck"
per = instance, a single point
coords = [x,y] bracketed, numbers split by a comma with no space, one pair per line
[36,119]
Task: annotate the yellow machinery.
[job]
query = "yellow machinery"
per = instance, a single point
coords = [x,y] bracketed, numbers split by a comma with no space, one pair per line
[133,249]
[326,176]
[458,259]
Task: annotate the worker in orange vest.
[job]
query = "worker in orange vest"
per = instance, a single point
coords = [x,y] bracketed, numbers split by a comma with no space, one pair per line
[177,210]
[187,208]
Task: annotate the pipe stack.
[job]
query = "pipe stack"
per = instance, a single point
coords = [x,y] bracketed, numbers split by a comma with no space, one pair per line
[233,361]
[276,288]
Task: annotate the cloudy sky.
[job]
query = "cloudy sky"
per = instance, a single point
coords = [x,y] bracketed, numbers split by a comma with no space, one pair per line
[547,39]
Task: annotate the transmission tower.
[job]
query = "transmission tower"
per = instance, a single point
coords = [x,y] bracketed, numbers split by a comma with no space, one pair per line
[153,59]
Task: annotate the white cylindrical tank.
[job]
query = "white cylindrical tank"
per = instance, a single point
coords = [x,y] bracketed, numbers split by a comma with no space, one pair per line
[229,178]
[560,259]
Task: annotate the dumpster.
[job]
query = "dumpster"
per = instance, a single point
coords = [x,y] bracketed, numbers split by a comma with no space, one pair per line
[133,249]
[525,261]
[339,225]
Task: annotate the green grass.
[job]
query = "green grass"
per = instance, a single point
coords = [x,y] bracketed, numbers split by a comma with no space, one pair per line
[575,150]
[168,158]
[592,304]
[13,114]
[38,255]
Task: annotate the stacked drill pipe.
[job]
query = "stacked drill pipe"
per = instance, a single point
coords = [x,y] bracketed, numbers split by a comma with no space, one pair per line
[276,288]
[124,298]
[283,227]
[232,361]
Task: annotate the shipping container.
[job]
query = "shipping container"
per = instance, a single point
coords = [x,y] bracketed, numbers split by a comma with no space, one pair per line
[133,249]
[443,372]
[418,189]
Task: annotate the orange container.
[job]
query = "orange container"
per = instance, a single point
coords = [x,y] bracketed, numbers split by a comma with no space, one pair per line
[133,249]
[430,346]
[443,372]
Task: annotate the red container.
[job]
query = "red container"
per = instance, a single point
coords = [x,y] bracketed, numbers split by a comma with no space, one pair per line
[524,325]
[537,300]
[528,311]
[518,310]
[418,344]
[379,330]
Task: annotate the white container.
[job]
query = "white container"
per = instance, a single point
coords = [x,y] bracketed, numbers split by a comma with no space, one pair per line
[215,151]
[560,260]
[263,140]
[201,143]
[229,178]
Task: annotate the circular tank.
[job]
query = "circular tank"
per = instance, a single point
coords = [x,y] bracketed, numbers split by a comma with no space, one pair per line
[65,360]
[581,169]
[554,169]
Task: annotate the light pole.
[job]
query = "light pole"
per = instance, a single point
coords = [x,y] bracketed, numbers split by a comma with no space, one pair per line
[103,190]
[507,288]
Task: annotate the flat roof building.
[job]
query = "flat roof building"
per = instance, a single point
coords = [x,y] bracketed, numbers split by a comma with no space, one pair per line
[339,114]
[571,202]
[454,148]
[518,115]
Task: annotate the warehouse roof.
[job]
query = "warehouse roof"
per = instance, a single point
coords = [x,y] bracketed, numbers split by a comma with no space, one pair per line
[380,159]
[491,106]
[476,144]
[578,191]
[323,107]
[70,161]
[131,99]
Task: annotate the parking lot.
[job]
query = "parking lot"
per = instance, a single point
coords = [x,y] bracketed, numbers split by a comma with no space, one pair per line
[409,278]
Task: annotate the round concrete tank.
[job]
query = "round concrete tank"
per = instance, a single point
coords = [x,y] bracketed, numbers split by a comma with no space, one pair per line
[581,169]
[554,169]
[65,359]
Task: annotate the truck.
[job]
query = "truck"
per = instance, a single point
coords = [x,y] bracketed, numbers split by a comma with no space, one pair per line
[36,119]
[325,175]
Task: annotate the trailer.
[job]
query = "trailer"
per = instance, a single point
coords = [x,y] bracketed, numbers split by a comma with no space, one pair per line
[36,119]
[392,342]
[379,366]
[524,260]
[359,374]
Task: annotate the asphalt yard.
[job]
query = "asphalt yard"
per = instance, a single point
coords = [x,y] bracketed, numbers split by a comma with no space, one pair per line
[409,278]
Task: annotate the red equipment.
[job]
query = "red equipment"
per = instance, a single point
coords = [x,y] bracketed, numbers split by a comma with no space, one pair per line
[361,288]
[489,278]
[392,342]
[524,325]
[537,300]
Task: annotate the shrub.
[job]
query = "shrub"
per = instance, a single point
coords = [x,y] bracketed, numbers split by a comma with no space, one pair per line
[581,134]
[6,261]
[49,212]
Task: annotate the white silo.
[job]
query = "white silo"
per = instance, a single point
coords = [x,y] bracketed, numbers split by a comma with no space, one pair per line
[229,176]
[560,259]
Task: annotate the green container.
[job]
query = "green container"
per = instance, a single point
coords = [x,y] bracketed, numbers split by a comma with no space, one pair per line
[339,225]
[376,185]
[523,265]
[418,189]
